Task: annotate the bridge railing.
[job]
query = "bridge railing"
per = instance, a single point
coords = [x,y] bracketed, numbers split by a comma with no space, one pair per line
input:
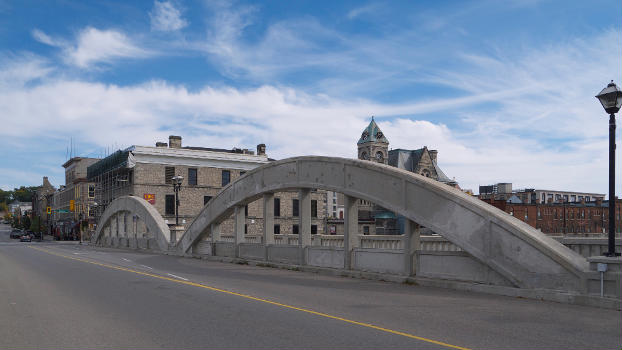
[390,242]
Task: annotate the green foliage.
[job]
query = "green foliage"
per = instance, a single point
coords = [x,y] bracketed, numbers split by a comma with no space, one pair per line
[25,224]
[5,196]
[35,225]
[4,208]
[24,194]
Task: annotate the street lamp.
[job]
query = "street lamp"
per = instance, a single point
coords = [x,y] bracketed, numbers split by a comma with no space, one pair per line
[177,179]
[611,99]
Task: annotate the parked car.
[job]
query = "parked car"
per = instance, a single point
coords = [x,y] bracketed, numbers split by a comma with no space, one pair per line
[16,233]
[25,238]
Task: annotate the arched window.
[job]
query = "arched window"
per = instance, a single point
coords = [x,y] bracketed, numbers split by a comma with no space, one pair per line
[379,156]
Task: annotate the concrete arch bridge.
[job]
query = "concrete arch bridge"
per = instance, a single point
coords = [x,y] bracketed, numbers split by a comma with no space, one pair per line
[490,247]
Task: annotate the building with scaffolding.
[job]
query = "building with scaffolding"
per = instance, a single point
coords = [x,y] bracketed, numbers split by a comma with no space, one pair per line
[147,172]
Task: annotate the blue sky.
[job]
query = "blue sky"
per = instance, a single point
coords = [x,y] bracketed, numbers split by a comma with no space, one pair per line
[503,89]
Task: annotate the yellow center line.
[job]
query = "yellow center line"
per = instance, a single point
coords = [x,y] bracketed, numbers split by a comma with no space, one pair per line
[368,325]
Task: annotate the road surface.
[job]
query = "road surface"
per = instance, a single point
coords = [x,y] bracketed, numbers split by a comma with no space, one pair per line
[64,295]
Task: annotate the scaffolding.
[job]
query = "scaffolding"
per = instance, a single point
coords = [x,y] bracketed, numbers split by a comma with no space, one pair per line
[112,177]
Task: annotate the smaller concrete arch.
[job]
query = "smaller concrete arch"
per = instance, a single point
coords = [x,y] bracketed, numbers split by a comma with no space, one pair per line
[146,212]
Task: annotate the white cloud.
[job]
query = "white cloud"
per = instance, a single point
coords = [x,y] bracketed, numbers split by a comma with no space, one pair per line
[46,39]
[166,17]
[95,46]
[20,69]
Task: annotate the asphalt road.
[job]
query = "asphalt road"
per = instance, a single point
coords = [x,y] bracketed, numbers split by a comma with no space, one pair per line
[55,295]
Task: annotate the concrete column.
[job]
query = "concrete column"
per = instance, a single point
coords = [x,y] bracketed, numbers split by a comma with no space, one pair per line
[350,230]
[412,243]
[304,223]
[238,230]
[215,236]
[268,218]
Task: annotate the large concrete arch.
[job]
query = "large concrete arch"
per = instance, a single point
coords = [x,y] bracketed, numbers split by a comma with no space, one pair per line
[145,211]
[523,255]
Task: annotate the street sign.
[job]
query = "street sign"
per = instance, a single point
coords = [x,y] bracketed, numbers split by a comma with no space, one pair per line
[62,210]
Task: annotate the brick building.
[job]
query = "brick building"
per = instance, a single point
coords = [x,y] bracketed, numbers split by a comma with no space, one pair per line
[564,218]
[147,172]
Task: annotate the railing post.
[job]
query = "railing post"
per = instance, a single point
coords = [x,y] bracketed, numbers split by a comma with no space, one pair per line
[304,225]
[350,232]
[238,234]
[411,244]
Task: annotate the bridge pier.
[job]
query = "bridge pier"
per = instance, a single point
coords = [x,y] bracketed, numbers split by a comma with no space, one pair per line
[412,243]
[351,231]
[239,223]
[304,224]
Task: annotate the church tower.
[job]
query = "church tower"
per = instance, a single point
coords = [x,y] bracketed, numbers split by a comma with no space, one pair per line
[373,145]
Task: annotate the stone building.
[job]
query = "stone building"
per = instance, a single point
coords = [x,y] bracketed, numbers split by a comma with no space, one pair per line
[373,145]
[147,172]
[72,203]
[41,200]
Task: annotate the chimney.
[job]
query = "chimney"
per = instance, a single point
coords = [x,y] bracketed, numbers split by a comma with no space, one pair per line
[261,149]
[161,144]
[433,154]
[174,141]
[599,201]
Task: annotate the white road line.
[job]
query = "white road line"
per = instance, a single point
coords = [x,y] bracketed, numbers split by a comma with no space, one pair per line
[126,259]
[181,278]
[145,266]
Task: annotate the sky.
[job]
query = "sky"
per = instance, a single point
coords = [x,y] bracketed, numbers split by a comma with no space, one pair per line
[504,90]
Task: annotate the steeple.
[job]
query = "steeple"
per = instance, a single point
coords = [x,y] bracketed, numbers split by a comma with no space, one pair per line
[373,145]
[372,133]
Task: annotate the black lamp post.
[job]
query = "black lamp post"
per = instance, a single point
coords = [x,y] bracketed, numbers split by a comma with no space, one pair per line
[611,99]
[177,180]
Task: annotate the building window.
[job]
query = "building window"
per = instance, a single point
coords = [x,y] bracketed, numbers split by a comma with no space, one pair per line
[365,230]
[169,204]
[91,191]
[314,229]
[295,229]
[313,208]
[246,210]
[334,201]
[206,199]
[277,206]
[277,229]
[245,229]
[242,172]
[169,172]
[192,176]
[587,198]
[295,208]
[226,177]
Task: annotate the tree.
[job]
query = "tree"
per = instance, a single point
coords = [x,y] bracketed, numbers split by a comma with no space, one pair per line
[25,222]
[24,194]
[35,225]
[3,207]
[5,196]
